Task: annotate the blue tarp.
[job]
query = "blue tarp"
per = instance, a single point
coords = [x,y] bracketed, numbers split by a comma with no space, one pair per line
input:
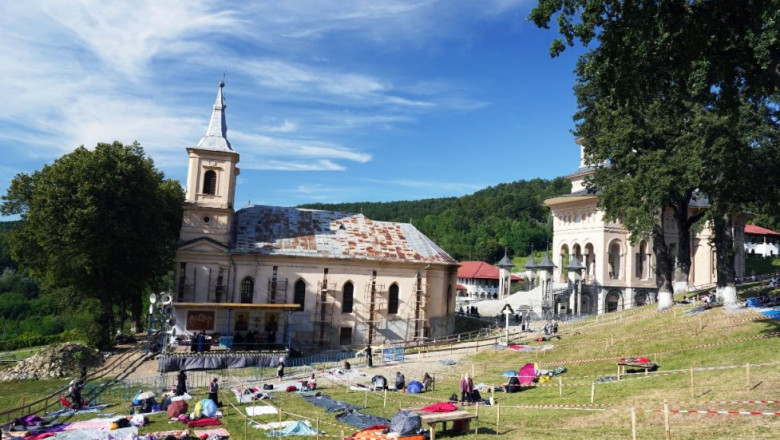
[414,387]
[297,428]
[509,373]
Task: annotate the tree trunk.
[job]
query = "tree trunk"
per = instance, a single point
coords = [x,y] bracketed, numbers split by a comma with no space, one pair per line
[136,310]
[663,268]
[724,256]
[682,267]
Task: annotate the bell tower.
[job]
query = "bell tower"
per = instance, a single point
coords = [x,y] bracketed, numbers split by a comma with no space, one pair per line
[211,181]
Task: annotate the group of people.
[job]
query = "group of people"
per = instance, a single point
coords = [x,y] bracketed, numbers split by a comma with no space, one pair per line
[524,321]
[198,344]
[470,311]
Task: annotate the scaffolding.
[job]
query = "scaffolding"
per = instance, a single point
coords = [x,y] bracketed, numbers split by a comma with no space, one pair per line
[375,299]
[323,314]
[420,303]
[277,290]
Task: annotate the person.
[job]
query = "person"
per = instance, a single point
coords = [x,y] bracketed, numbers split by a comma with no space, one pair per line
[512,385]
[466,388]
[347,365]
[181,383]
[213,391]
[75,393]
[83,376]
[400,381]
[270,328]
[280,369]
[311,384]
[555,327]
[369,356]
[201,342]
[241,323]
[427,381]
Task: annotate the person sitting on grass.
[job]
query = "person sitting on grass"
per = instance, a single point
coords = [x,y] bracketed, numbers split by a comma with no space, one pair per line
[512,385]
[400,381]
[311,384]
[427,381]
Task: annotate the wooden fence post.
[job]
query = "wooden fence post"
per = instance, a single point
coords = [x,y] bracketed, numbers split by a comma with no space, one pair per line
[318,428]
[692,392]
[747,375]
[633,423]
[667,431]
[592,392]
[365,399]
[384,403]
[498,416]
[560,386]
[246,424]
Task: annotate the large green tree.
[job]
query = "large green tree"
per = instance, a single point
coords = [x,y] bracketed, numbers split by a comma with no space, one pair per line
[661,74]
[99,223]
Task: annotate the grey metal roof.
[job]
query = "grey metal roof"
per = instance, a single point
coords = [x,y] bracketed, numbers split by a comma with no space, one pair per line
[574,264]
[216,135]
[546,264]
[505,263]
[531,263]
[274,230]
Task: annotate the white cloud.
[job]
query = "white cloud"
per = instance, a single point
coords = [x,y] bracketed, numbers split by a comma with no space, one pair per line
[285,127]
[93,71]
[270,153]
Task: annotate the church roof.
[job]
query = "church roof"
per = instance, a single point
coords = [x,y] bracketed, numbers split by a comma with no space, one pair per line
[274,230]
[480,270]
[758,230]
[215,138]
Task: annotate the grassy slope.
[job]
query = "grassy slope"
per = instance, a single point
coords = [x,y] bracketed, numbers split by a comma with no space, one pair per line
[671,338]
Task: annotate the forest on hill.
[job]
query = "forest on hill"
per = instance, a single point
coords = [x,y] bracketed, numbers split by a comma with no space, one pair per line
[477,226]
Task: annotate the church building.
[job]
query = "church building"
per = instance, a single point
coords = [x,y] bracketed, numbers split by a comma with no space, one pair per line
[617,274]
[310,279]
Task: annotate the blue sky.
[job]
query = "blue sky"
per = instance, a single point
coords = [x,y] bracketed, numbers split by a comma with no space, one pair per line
[327,101]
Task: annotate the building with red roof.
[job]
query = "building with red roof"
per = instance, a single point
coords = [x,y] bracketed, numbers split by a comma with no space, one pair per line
[480,280]
[761,241]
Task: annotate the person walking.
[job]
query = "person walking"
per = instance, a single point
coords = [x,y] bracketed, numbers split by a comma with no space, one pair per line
[280,370]
[369,356]
[181,383]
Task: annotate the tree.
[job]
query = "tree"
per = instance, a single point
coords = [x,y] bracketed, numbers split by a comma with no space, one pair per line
[100,223]
[652,99]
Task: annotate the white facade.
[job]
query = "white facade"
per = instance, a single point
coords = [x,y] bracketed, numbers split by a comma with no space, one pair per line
[617,274]
[761,241]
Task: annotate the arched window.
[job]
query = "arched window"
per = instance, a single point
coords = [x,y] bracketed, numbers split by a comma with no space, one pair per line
[392,299]
[348,299]
[247,290]
[210,182]
[300,294]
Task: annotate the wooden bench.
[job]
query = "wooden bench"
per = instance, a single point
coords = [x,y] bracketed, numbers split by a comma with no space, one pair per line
[432,419]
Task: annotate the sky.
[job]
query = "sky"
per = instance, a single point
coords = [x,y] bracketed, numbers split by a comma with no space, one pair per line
[327,101]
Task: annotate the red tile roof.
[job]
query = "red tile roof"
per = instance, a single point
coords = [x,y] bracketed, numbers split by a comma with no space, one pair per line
[757,230]
[480,269]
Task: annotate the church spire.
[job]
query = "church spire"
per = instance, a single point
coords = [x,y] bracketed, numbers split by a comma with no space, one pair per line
[216,135]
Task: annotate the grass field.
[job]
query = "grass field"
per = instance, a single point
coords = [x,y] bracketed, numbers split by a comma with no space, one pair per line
[703,366]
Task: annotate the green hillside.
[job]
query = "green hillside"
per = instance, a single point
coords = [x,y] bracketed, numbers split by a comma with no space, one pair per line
[476,226]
